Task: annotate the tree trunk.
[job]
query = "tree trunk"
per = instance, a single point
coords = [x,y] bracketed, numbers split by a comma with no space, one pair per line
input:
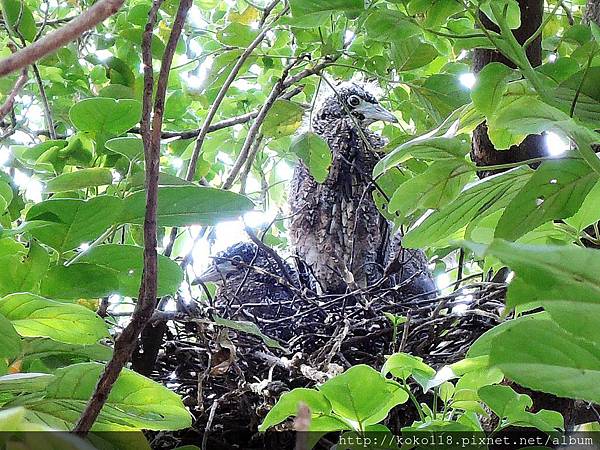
[592,12]
[483,152]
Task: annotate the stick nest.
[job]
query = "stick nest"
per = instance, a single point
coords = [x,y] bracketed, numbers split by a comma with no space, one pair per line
[230,378]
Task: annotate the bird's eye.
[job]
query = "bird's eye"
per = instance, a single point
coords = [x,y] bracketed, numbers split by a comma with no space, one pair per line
[354,101]
[236,260]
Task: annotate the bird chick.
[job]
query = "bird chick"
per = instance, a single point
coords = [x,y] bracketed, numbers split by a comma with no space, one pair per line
[335,227]
[254,285]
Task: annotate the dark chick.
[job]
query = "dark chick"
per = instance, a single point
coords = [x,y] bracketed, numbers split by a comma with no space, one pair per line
[253,286]
[335,227]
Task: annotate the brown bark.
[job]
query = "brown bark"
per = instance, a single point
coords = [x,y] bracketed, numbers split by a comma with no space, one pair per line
[483,152]
[127,341]
[592,12]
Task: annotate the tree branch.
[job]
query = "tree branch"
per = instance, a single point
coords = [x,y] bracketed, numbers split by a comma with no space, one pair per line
[10,100]
[59,38]
[221,94]
[125,344]
[253,132]
[226,123]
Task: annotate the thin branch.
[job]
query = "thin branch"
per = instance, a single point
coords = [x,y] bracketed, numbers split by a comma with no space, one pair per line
[223,91]
[8,104]
[45,104]
[226,123]
[253,132]
[59,38]
[125,344]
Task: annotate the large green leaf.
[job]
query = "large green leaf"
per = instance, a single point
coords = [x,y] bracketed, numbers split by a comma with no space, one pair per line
[434,188]
[388,25]
[19,18]
[314,153]
[490,87]
[130,147]
[53,354]
[283,119]
[411,54]
[288,403]
[513,407]
[22,273]
[589,212]
[187,205]
[312,13]
[134,401]
[359,393]
[427,149]
[72,222]
[10,341]
[6,195]
[35,316]
[105,115]
[80,179]
[570,292]
[542,356]
[555,191]
[80,280]
[480,199]
[126,261]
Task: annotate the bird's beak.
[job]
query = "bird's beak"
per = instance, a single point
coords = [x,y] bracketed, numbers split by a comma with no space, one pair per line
[213,274]
[374,112]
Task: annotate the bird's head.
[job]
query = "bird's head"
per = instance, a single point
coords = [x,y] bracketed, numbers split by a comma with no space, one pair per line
[352,99]
[228,262]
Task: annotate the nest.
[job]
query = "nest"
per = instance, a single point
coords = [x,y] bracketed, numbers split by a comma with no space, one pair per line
[230,378]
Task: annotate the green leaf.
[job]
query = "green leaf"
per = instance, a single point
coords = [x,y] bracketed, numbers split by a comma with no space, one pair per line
[35,316]
[236,34]
[19,18]
[127,261]
[569,292]
[512,408]
[490,87]
[134,401]
[80,179]
[247,327]
[25,382]
[483,345]
[314,152]
[480,199]
[187,205]
[410,54]
[555,191]
[359,393]
[80,280]
[438,12]
[22,273]
[6,195]
[288,403]
[402,365]
[589,212]
[426,149]
[495,12]
[71,222]
[10,341]
[387,25]
[105,117]
[542,356]
[434,188]
[311,7]
[55,354]
[283,119]
[109,269]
